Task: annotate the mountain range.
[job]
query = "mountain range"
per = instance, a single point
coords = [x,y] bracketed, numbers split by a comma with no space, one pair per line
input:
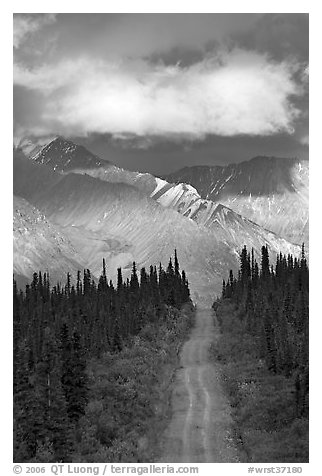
[92,209]
[273,192]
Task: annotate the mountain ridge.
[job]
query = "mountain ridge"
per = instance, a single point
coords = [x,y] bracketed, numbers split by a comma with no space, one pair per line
[181,197]
[61,153]
[183,192]
[104,217]
[270,191]
[121,224]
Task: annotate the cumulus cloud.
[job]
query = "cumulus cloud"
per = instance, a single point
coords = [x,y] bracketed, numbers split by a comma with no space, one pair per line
[229,93]
[25,25]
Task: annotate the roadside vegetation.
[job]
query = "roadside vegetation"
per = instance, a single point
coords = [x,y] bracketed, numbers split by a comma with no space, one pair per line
[264,353]
[93,364]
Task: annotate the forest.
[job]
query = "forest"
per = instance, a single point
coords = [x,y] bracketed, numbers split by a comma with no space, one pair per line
[93,363]
[263,315]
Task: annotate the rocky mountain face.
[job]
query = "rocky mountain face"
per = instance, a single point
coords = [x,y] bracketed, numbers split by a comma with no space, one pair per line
[118,222]
[185,199]
[105,211]
[63,155]
[40,245]
[273,192]
[279,213]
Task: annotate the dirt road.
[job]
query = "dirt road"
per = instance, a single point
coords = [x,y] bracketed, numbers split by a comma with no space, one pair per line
[198,431]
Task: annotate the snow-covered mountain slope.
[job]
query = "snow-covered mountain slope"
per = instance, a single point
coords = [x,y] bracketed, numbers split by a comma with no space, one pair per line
[270,191]
[121,224]
[104,217]
[63,155]
[273,192]
[185,199]
[111,173]
[234,230]
[229,226]
[39,245]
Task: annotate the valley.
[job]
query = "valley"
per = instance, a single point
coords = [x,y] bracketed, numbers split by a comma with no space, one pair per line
[74,210]
[121,216]
[160,307]
[199,431]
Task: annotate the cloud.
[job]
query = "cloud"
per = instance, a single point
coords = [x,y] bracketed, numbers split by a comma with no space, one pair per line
[280,34]
[306,74]
[30,144]
[25,25]
[304,140]
[163,31]
[229,93]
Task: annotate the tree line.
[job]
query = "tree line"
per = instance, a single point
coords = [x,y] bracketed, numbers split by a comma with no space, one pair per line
[58,330]
[272,303]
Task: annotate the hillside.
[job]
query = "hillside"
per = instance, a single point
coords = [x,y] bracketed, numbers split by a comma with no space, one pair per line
[61,154]
[232,228]
[108,212]
[273,192]
[121,224]
[40,245]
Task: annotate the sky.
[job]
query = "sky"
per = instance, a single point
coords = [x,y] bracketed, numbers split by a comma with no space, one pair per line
[156,92]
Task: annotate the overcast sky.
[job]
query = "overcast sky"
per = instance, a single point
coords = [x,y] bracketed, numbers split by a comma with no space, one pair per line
[159,91]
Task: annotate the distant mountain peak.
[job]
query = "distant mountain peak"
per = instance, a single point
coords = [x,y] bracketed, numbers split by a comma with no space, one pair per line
[258,160]
[63,142]
[271,191]
[64,155]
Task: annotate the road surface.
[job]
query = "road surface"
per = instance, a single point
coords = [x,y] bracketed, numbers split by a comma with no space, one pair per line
[199,428]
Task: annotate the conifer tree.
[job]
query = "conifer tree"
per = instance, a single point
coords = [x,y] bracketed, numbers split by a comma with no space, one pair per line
[274,309]
[51,401]
[265,271]
[58,330]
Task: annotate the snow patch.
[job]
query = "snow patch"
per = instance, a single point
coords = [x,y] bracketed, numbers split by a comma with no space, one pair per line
[160,184]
